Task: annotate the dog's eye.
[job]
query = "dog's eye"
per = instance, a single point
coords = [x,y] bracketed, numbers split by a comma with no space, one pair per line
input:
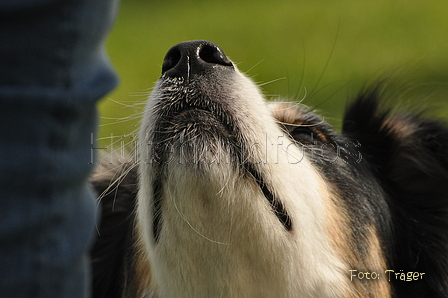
[302,125]
[299,132]
[306,134]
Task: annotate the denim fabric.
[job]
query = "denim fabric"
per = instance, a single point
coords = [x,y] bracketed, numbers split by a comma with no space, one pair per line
[53,70]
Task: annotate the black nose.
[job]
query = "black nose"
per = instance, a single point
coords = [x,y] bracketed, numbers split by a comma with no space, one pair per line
[194,57]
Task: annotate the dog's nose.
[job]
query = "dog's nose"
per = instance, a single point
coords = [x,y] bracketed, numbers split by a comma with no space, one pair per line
[194,57]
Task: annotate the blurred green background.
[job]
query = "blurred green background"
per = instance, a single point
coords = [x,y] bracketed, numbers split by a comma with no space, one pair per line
[318,52]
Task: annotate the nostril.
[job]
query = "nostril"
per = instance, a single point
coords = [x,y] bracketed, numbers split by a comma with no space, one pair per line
[172,58]
[212,54]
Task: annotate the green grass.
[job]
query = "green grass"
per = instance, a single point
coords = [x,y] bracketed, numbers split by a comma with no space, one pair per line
[316,51]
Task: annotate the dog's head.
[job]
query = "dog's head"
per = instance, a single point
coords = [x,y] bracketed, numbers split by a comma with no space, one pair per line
[243,198]
[232,184]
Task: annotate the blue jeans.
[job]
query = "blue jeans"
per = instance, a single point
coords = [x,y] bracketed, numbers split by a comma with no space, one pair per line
[53,70]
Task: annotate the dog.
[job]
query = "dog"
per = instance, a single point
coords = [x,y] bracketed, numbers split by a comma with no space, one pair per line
[236,197]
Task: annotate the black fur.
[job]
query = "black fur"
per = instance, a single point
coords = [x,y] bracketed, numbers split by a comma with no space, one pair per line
[111,255]
[412,168]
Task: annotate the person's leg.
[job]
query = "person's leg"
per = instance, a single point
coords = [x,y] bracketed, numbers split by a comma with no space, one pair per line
[52,72]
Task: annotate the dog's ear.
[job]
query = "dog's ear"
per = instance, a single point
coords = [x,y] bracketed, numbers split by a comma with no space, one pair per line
[406,150]
[408,155]
[418,173]
[420,160]
[115,182]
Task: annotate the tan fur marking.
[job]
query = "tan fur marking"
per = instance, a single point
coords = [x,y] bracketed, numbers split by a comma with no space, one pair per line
[376,261]
[287,113]
[338,228]
[373,262]
[399,127]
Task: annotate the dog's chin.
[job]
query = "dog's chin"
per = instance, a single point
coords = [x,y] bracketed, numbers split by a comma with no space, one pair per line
[199,123]
[194,137]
